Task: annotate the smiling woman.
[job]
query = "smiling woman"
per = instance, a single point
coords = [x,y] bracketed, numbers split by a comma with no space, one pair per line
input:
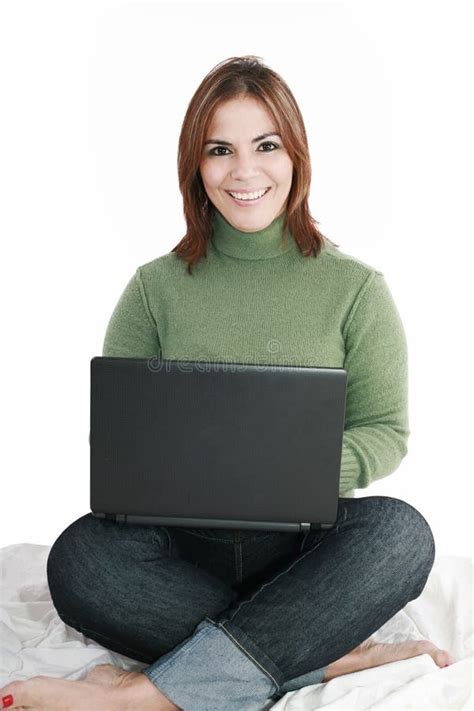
[226,160]
[234,618]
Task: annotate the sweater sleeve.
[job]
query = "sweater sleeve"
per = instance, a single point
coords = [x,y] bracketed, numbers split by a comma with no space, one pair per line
[376,428]
[132,331]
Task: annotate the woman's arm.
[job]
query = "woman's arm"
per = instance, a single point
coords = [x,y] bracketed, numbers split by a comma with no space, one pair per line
[377,427]
[132,331]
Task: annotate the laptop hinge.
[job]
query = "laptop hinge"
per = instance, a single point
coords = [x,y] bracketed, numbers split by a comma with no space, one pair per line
[121,518]
[305,526]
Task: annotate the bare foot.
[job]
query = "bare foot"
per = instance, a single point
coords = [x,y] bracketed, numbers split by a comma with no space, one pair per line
[372,654]
[105,688]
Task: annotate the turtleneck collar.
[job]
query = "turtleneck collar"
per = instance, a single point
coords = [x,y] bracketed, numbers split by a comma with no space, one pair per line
[261,244]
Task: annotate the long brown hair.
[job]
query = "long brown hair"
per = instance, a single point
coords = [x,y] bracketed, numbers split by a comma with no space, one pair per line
[229,79]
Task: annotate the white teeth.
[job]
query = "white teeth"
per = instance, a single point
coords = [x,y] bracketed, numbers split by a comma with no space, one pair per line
[249,196]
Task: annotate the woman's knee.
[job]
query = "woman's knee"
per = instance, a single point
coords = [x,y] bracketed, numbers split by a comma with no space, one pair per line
[92,553]
[405,530]
[66,559]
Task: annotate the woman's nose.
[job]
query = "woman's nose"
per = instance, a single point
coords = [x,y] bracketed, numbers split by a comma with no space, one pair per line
[245,166]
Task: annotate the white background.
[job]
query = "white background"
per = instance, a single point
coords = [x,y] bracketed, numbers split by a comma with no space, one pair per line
[93,95]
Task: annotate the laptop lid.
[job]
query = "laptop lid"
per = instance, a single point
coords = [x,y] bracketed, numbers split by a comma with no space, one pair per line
[216,444]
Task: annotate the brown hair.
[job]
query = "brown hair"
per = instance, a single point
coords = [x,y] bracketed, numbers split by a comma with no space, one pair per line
[229,79]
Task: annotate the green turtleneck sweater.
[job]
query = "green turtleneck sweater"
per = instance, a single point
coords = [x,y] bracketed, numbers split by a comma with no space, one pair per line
[255,299]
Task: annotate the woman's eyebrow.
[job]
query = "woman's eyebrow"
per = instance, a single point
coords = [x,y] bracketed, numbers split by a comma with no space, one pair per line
[254,140]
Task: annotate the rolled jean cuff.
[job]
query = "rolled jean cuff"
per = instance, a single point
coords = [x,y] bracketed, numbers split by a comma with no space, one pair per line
[208,669]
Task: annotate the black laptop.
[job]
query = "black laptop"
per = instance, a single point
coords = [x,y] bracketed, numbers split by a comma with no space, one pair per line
[216,444]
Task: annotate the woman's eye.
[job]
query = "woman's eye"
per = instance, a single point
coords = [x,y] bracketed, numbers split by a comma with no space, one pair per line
[217,148]
[269,143]
[223,148]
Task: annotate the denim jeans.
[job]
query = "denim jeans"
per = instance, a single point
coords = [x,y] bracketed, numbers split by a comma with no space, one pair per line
[234,619]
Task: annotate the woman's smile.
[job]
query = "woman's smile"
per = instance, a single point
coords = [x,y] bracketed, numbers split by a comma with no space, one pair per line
[247,202]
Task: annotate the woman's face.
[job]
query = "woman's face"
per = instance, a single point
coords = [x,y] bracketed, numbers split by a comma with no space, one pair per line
[233,160]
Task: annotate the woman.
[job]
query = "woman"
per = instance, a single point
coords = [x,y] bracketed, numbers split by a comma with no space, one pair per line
[230,619]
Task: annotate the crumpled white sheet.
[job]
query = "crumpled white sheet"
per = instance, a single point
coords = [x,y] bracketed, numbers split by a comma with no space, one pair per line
[34,641]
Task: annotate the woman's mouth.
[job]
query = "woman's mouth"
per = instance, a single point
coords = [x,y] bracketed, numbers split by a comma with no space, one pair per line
[244,201]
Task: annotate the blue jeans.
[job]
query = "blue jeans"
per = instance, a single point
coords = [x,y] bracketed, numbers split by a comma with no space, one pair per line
[231,618]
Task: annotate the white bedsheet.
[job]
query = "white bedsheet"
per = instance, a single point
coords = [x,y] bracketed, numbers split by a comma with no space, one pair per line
[35,641]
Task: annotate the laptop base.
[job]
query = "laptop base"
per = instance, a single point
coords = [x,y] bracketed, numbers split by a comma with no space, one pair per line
[212,523]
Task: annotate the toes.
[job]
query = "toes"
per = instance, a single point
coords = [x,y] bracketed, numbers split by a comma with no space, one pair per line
[16,695]
[443,658]
[440,656]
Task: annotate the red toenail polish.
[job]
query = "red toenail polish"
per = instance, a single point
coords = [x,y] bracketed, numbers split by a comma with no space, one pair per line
[7,701]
